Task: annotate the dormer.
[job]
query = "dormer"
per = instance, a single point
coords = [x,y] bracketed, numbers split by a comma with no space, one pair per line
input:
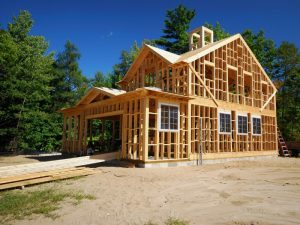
[200,37]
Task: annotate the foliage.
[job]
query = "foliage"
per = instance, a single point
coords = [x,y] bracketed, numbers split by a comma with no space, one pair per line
[170,221]
[219,31]
[42,131]
[264,49]
[126,59]
[100,80]
[287,78]
[69,83]
[176,221]
[24,79]
[35,84]
[177,22]
[20,204]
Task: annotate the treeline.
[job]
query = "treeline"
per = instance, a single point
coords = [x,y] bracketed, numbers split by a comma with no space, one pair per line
[35,84]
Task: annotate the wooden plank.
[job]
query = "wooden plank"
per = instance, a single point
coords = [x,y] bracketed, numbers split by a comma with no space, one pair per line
[124,135]
[80,128]
[268,101]
[156,136]
[206,88]
[108,114]
[69,132]
[135,141]
[169,144]
[145,128]
[189,127]
[28,176]
[64,134]
[44,179]
[209,63]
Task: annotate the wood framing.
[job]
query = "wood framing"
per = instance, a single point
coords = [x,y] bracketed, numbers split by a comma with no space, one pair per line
[171,107]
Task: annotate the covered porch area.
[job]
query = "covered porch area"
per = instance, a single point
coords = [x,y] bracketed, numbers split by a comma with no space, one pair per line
[129,123]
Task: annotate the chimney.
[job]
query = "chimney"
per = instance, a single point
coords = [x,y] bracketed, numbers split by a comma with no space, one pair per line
[200,37]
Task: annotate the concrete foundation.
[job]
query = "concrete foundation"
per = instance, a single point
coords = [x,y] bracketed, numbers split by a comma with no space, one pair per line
[204,162]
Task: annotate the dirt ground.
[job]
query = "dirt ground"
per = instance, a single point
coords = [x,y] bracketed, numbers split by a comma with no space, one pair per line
[15,160]
[10,160]
[261,192]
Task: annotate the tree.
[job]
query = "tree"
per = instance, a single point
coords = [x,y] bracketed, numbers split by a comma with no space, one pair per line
[100,80]
[264,49]
[25,75]
[287,77]
[126,60]
[69,84]
[219,31]
[177,23]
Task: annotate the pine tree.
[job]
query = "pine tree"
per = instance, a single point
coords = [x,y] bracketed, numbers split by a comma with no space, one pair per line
[126,60]
[287,77]
[69,84]
[263,48]
[177,23]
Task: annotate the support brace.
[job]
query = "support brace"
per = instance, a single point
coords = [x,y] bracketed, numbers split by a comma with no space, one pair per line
[202,82]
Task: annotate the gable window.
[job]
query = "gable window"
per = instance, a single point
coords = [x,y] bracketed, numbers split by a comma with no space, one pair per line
[168,117]
[225,122]
[242,124]
[256,125]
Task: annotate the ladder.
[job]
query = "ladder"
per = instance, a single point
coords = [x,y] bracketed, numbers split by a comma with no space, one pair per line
[282,147]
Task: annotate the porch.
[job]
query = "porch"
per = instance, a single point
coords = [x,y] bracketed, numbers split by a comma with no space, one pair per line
[128,123]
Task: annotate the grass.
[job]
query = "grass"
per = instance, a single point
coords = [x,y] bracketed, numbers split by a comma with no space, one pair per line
[171,221]
[176,221]
[19,204]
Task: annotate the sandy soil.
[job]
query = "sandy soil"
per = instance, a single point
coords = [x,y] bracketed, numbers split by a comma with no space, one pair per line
[262,192]
[15,160]
[10,160]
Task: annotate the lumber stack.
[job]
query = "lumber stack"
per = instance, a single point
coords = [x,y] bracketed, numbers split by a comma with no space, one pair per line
[20,181]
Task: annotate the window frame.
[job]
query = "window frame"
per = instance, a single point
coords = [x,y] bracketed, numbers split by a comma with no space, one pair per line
[219,122]
[237,123]
[159,117]
[256,117]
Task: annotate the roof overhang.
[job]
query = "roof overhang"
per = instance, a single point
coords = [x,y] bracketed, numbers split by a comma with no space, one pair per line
[95,91]
[168,57]
[140,92]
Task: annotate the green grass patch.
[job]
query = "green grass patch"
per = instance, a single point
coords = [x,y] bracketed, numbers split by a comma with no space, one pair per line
[19,204]
[176,221]
[171,221]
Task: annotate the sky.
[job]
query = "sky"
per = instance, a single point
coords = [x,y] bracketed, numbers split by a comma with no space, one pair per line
[102,29]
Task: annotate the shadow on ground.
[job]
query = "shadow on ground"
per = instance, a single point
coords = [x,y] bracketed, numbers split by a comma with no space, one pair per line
[111,163]
[42,158]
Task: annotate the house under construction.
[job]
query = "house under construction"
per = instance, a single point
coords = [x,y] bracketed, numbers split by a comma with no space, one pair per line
[213,102]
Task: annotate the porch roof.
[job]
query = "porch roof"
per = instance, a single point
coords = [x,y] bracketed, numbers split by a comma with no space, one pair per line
[140,92]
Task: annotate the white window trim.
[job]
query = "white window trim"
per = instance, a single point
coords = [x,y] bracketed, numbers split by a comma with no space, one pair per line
[237,123]
[258,117]
[159,117]
[219,122]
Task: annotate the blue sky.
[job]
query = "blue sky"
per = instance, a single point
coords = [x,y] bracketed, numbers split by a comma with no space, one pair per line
[101,29]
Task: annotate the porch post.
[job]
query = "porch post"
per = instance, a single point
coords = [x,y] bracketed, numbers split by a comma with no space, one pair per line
[189,109]
[81,127]
[85,136]
[64,134]
[145,128]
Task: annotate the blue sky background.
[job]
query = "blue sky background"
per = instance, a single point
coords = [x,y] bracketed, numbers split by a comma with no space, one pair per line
[101,29]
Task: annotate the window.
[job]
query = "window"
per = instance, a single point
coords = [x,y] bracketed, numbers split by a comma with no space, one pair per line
[169,117]
[225,122]
[242,124]
[256,125]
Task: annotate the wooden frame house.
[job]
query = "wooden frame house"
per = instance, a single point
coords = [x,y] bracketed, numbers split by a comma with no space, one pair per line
[213,102]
